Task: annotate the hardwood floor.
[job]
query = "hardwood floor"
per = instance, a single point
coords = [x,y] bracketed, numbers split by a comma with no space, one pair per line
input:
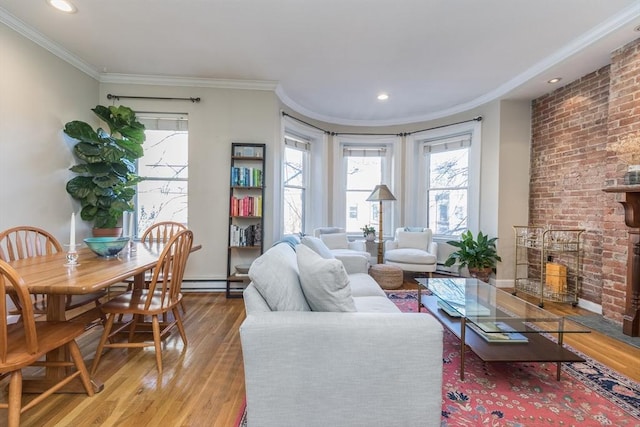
[203,385]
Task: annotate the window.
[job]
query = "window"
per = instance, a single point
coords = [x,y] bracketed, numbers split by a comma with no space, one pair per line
[445,192]
[163,194]
[296,161]
[365,167]
[447,179]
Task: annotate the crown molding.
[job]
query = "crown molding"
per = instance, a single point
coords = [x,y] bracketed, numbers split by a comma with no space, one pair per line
[39,39]
[141,79]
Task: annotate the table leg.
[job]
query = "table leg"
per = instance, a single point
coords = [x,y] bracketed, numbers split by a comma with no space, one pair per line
[463,330]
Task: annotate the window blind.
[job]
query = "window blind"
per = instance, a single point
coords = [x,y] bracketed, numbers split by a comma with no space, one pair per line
[447,144]
[297,143]
[359,151]
[164,121]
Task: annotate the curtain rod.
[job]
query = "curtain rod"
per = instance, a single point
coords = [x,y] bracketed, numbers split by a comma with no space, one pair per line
[118,97]
[475,119]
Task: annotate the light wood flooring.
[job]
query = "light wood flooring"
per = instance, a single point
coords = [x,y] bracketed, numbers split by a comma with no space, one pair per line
[203,385]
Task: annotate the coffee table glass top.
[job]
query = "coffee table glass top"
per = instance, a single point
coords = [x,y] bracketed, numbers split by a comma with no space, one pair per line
[493,310]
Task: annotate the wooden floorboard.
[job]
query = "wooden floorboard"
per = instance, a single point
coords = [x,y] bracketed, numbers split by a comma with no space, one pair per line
[203,385]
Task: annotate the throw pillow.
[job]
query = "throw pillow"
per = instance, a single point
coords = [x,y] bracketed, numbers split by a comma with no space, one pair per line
[325,282]
[410,239]
[275,276]
[318,246]
[335,240]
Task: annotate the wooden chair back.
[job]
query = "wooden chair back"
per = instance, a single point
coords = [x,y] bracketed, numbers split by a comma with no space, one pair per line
[10,278]
[169,272]
[161,232]
[26,242]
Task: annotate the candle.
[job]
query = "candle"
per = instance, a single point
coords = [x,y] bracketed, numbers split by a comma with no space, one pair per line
[125,223]
[72,232]
[131,231]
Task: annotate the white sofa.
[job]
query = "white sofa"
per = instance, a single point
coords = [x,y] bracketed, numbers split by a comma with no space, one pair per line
[352,366]
[412,249]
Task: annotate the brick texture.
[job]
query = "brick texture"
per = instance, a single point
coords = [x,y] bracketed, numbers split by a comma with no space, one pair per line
[583,135]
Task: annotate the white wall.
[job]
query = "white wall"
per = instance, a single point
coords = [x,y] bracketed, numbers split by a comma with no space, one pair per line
[39,93]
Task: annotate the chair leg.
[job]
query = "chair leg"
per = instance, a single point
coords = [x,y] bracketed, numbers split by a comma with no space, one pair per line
[15,398]
[184,310]
[157,341]
[103,341]
[74,351]
[178,317]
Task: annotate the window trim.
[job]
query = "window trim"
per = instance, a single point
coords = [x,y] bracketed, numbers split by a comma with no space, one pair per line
[393,177]
[416,213]
[316,209]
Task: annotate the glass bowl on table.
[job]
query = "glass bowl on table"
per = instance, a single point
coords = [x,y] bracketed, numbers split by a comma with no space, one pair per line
[106,247]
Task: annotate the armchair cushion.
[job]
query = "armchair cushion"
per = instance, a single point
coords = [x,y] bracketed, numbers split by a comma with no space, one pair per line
[324,282]
[335,240]
[275,275]
[410,256]
[412,239]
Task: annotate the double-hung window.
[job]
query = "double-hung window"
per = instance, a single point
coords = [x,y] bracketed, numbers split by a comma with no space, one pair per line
[365,165]
[446,188]
[295,183]
[164,167]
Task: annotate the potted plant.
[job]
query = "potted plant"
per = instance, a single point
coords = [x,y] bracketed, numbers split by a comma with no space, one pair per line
[478,255]
[106,175]
[369,233]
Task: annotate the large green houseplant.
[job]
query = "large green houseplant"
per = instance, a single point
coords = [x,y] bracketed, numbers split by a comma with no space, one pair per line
[479,254]
[106,175]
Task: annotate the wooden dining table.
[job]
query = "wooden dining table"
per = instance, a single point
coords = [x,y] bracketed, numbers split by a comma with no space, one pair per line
[52,276]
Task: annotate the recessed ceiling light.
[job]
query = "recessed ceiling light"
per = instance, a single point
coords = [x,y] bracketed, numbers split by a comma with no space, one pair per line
[554,80]
[63,6]
[383,97]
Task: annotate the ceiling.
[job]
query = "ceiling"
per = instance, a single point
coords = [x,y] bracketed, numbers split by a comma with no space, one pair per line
[329,59]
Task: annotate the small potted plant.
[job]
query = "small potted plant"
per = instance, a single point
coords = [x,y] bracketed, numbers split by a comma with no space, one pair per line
[369,233]
[478,255]
[106,179]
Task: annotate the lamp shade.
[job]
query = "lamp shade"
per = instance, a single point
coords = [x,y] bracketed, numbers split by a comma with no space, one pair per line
[381,192]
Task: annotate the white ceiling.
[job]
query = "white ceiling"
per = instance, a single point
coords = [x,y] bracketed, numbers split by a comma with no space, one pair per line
[328,59]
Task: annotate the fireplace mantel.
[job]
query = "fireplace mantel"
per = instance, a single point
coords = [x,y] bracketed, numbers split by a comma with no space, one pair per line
[629,197]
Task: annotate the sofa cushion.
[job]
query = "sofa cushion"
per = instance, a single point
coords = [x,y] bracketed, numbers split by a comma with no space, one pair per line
[410,256]
[324,282]
[411,239]
[318,246]
[275,276]
[335,240]
[376,304]
[363,285]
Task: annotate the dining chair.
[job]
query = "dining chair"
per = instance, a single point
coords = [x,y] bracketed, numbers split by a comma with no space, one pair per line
[26,242]
[159,233]
[161,297]
[24,342]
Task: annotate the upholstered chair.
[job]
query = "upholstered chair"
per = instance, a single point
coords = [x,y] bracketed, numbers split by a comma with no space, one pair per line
[412,250]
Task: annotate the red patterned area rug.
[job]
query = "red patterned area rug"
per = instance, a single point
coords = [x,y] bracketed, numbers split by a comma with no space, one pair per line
[527,394]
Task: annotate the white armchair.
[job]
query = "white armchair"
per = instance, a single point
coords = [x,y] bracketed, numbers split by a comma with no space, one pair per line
[412,250]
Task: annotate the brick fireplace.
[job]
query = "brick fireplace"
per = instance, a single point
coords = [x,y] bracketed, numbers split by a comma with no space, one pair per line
[584,135]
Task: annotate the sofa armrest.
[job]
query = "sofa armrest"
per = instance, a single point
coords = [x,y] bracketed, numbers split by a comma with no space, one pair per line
[433,249]
[320,369]
[390,244]
[354,263]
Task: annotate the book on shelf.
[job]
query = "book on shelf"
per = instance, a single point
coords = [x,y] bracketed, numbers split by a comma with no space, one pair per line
[245,236]
[246,177]
[246,206]
[497,332]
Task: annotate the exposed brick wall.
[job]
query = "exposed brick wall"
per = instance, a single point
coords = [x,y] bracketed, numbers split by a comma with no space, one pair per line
[584,134]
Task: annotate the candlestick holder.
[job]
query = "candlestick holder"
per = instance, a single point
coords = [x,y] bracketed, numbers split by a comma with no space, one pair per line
[72,256]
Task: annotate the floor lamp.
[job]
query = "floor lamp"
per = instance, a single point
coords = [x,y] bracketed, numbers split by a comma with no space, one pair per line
[380,194]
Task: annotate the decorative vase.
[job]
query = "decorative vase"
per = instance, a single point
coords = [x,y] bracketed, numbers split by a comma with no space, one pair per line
[107,232]
[370,237]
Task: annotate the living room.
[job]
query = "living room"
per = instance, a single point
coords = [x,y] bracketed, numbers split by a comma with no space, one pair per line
[522,180]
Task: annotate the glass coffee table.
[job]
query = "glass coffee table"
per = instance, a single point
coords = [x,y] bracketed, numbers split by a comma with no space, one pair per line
[496,325]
